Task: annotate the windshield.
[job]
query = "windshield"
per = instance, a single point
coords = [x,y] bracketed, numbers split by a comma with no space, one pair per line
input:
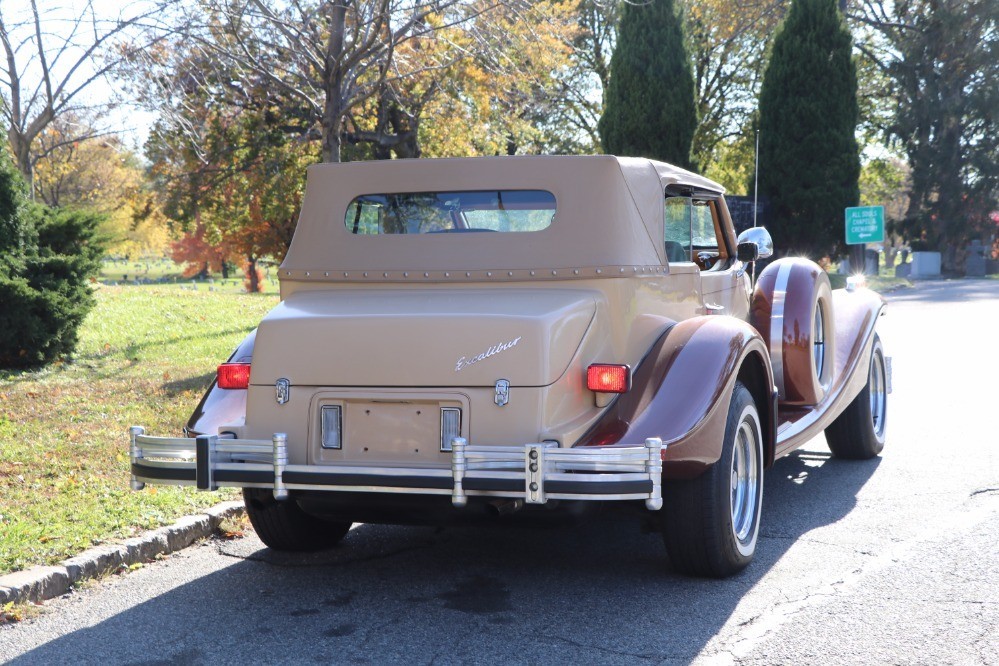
[451,212]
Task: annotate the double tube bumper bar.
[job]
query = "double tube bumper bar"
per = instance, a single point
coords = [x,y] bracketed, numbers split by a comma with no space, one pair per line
[534,473]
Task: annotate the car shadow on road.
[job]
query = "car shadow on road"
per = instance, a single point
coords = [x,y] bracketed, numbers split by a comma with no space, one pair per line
[601,592]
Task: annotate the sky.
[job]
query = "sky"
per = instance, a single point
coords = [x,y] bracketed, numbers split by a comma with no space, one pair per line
[58,17]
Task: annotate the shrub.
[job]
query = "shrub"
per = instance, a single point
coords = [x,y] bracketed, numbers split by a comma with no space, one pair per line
[47,257]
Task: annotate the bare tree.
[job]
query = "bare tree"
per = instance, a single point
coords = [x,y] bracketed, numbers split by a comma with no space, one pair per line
[50,62]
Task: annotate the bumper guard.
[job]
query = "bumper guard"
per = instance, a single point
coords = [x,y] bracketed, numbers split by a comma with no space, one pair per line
[534,473]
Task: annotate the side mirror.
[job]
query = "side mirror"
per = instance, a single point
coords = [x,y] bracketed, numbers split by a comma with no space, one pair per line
[754,243]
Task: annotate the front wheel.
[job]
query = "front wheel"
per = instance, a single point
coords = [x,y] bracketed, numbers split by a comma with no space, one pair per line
[859,432]
[711,523]
[284,526]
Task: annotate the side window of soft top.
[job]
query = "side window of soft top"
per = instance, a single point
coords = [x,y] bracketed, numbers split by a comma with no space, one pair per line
[677,228]
[692,230]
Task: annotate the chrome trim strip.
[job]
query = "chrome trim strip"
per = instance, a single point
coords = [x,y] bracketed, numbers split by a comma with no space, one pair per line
[777,326]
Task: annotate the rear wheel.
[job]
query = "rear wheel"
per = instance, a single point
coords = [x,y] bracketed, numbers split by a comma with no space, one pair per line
[859,432]
[284,526]
[710,524]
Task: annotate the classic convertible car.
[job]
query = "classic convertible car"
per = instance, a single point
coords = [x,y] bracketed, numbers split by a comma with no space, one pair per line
[466,338]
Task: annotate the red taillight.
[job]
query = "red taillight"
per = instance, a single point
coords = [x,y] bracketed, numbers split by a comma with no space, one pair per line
[605,378]
[234,375]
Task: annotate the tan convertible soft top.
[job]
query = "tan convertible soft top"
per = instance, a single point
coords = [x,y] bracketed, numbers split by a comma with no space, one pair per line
[609,213]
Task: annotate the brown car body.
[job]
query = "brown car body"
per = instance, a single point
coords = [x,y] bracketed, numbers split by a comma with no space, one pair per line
[390,329]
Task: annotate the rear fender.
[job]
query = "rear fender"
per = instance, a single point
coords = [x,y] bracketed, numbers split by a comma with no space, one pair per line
[681,393]
[218,406]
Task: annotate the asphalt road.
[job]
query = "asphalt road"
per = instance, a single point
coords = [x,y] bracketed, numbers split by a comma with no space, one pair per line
[889,561]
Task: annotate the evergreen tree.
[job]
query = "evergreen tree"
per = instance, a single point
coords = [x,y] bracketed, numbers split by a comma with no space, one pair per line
[16,233]
[809,158]
[47,257]
[649,103]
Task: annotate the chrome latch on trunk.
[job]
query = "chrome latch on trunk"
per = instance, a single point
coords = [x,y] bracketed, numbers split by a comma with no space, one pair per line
[282,391]
[502,392]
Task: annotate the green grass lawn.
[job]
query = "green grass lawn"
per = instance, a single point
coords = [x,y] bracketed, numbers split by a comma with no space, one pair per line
[145,356]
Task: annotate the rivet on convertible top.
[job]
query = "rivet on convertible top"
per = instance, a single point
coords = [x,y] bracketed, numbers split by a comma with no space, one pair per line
[426,275]
[405,274]
[365,275]
[447,275]
[346,274]
[599,271]
[489,274]
[384,274]
[467,274]
[326,274]
[575,271]
[554,272]
[308,274]
[510,273]
[532,273]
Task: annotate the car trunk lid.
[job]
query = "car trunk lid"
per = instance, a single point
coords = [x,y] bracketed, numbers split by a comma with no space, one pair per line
[422,337]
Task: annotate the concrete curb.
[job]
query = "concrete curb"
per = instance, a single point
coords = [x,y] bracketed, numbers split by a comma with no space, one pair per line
[41,583]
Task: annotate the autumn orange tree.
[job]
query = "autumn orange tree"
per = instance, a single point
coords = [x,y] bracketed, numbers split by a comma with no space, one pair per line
[236,198]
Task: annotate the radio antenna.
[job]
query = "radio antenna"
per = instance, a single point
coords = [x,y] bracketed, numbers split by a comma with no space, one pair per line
[756,179]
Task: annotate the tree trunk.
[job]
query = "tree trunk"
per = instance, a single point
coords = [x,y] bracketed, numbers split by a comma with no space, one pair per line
[21,148]
[333,84]
[252,279]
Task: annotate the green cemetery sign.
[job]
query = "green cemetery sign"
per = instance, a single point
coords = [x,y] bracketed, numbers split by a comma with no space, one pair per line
[865,224]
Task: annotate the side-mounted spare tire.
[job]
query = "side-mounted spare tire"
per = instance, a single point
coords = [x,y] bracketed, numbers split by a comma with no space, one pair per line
[710,523]
[792,309]
[282,525]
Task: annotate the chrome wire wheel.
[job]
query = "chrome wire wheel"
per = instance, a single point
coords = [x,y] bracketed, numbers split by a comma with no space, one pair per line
[745,484]
[819,342]
[877,385]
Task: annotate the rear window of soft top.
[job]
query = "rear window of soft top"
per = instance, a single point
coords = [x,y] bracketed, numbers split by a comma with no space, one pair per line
[505,211]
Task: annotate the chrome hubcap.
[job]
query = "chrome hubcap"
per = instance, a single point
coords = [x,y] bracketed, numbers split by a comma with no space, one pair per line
[876,384]
[745,481]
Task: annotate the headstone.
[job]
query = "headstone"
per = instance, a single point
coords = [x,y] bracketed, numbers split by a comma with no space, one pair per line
[974,265]
[871,262]
[925,265]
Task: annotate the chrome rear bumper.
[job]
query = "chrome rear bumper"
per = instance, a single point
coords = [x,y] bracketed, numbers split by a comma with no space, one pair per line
[534,473]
